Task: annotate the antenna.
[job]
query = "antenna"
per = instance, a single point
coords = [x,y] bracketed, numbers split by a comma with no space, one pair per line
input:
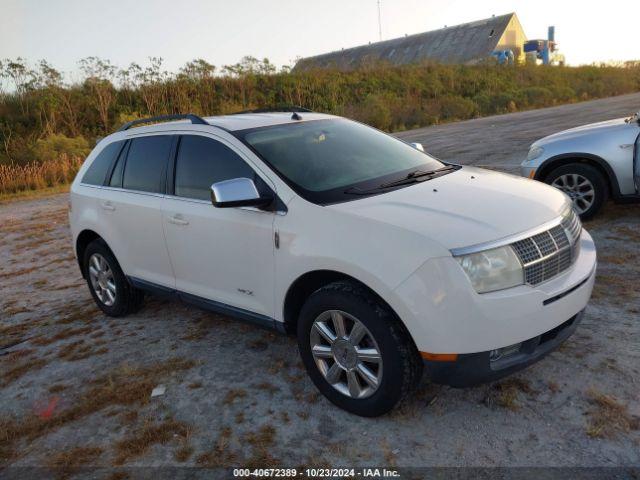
[379,22]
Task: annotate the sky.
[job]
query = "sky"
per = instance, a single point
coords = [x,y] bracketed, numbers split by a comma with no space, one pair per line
[223,31]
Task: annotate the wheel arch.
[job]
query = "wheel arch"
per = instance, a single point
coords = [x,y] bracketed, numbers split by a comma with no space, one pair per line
[585,158]
[85,237]
[309,282]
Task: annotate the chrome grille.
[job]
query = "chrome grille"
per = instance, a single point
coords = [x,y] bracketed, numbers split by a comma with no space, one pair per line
[560,237]
[573,226]
[547,254]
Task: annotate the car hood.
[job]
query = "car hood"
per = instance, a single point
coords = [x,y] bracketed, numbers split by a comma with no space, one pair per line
[590,129]
[466,207]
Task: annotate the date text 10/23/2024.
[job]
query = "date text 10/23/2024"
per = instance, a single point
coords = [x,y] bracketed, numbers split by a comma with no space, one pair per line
[316,472]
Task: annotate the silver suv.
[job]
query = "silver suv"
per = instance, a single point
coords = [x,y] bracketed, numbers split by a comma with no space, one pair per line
[590,163]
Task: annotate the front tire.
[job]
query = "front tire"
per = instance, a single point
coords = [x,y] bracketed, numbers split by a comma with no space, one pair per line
[356,351]
[108,285]
[584,184]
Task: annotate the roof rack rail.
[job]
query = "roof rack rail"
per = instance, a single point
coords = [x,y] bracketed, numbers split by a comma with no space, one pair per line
[281,108]
[195,119]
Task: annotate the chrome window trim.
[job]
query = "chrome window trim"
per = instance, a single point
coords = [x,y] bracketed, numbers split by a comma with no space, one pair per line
[205,202]
[137,192]
[124,190]
[175,197]
[188,200]
[504,241]
[82,184]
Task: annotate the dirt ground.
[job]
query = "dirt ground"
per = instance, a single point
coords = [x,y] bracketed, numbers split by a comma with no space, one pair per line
[76,385]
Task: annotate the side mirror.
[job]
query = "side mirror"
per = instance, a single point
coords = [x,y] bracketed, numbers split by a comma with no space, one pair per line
[237,192]
[418,146]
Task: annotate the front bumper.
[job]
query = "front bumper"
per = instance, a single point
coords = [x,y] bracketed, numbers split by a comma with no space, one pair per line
[528,171]
[476,368]
[444,315]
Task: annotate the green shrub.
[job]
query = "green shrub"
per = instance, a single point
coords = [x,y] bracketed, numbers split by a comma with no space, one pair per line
[376,110]
[54,146]
[504,102]
[537,96]
[457,108]
[389,97]
[564,94]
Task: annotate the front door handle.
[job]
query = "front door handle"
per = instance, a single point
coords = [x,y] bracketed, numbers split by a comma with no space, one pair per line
[107,206]
[178,220]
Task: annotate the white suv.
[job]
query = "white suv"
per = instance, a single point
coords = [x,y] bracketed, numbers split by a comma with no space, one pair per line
[380,258]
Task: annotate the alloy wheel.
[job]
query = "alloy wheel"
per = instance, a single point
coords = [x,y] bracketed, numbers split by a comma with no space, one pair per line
[102,279]
[579,188]
[346,354]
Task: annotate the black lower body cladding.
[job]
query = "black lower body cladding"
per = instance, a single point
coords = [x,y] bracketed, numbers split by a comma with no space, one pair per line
[476,368]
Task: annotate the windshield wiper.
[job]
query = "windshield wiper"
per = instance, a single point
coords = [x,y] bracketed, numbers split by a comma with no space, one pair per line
[412,177]
[418,176]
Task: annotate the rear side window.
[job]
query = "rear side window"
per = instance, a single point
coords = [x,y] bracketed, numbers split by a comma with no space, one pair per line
[203,161]
[116,175]
[146,163]
[98,169]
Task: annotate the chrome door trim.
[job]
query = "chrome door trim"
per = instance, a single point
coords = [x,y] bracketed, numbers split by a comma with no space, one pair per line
[137,192]
[90,186]
[207,202]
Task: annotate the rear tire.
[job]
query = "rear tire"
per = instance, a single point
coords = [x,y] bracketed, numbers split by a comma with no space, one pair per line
[108,285]
[373,373]
[585,185]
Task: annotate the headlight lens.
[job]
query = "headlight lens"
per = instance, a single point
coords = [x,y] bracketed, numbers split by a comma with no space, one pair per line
[534,152]
[493,269]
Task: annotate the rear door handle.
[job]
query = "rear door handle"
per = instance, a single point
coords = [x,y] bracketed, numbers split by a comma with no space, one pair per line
[108,206]
[178,220]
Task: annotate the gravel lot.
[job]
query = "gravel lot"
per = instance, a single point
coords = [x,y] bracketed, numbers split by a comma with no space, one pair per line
[76,385]
[503,141]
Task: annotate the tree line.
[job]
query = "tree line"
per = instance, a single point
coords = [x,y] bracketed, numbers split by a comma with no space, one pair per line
[43,116]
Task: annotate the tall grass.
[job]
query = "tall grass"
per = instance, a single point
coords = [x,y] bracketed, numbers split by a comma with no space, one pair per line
[47,125]
[16,178]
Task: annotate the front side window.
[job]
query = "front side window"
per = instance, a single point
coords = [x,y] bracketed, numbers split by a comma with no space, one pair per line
[146,163]
[203,161]
[325,160]
[98,169]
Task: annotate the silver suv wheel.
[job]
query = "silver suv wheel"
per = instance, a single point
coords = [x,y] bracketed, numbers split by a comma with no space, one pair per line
[579,188]
[102,280]
[346,354]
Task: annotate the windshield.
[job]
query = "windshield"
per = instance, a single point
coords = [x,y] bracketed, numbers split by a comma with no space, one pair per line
[323,159]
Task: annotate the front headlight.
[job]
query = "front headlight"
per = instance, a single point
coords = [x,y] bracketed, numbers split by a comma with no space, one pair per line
[534,152]
[494,269]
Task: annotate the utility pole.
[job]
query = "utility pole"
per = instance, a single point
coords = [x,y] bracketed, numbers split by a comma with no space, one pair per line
[379,22]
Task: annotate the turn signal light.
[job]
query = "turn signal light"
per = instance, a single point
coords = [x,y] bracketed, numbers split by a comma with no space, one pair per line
[439,357]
